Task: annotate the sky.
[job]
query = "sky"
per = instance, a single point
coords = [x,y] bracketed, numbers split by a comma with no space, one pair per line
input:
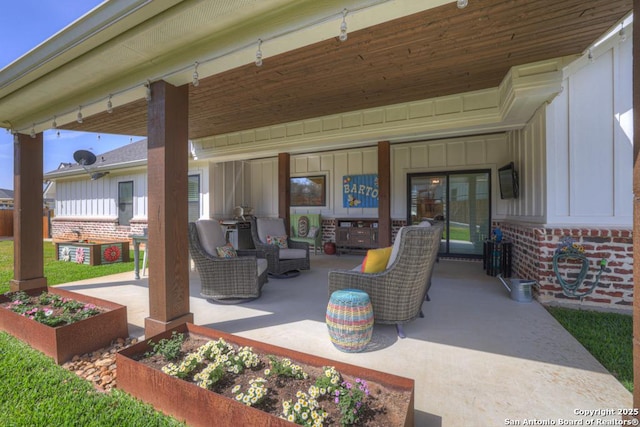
[24,24]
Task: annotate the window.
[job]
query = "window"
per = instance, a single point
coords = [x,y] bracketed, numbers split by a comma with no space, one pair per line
[308,191]
[125,202]
[194,197]
[462,199]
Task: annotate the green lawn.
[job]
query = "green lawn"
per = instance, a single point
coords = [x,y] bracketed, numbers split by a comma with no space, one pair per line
[57,272]
[34,391]
[608,336]
[459,233]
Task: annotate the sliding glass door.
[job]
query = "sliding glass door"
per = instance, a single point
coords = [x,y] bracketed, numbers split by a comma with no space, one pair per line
[461,200]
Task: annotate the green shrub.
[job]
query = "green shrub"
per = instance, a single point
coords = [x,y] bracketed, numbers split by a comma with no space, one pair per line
[169,348]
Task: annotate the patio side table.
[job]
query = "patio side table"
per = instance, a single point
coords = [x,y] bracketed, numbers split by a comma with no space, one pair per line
[350,320]
[137,239]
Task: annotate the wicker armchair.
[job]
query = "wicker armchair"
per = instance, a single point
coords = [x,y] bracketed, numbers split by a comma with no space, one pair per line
[225,280]
[398,292]
[281,261]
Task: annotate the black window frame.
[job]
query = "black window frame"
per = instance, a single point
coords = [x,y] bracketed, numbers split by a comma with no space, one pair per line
[122,218]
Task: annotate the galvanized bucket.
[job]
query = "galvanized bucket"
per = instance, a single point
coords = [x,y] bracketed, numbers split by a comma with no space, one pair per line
[520,289]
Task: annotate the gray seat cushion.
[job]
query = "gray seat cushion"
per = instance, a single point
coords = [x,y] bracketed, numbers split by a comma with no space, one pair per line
[211,235]
[292,253]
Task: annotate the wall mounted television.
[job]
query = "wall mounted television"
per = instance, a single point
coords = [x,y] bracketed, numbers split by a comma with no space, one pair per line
[508,180]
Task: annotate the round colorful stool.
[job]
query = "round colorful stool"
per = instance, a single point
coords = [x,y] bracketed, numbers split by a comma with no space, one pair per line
[350,320]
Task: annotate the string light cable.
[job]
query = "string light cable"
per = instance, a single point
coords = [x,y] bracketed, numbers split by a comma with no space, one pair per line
[147,83]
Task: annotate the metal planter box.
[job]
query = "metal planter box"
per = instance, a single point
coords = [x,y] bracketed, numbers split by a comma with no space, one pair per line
[200,407]
[63,342]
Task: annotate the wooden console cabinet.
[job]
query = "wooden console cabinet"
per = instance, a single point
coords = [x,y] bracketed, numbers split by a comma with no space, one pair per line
[353,234]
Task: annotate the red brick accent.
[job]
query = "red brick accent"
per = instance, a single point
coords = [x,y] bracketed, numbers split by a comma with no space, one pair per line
[534,247]
[328,229]
[95,228]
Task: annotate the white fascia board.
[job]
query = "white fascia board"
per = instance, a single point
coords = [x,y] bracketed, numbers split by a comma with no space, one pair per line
[61,173]
[99,25]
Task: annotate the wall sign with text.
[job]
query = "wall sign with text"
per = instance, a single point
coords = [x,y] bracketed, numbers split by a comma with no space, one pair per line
[360,191]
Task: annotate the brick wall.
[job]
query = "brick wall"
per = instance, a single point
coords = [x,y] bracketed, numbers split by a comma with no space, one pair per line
[96,228]
[534,247]
[328,229]
[533,250]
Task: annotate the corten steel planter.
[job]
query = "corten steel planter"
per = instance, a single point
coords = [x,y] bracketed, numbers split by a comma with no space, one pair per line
[63,342]
[200,407]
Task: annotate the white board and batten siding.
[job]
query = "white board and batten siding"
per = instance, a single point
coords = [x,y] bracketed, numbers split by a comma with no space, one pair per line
[231,187]
[334,165]
[468,153]
[589,141]
[83,198]
[527,151]
[456,154]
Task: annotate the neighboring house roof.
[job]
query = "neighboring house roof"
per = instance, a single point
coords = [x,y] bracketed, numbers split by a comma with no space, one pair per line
[6,194]
[130,155]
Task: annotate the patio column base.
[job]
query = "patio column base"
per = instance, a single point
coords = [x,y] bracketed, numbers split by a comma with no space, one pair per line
[153,326]
[26,284]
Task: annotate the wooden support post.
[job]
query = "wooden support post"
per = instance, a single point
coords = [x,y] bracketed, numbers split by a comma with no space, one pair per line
[636,208]
[384,194]
[28,263]
[167,171]
[284,188]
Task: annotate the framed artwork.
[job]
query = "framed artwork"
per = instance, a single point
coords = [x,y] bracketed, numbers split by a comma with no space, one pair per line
[308,190]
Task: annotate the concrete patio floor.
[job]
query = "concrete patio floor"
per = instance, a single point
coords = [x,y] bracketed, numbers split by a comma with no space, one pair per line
[478,358]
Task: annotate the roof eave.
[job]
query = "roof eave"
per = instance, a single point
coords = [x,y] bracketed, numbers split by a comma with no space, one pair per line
[75,171]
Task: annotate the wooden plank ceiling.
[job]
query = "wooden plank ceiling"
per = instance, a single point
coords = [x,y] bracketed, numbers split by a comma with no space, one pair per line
[438,52]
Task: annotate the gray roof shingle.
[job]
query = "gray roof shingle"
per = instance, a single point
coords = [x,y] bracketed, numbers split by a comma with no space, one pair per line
[131,152]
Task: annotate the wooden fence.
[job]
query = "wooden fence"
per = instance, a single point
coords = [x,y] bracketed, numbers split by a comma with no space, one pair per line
[6,222]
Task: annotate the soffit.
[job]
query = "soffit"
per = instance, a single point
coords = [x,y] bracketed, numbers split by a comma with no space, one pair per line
[431,53]
[99,59]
